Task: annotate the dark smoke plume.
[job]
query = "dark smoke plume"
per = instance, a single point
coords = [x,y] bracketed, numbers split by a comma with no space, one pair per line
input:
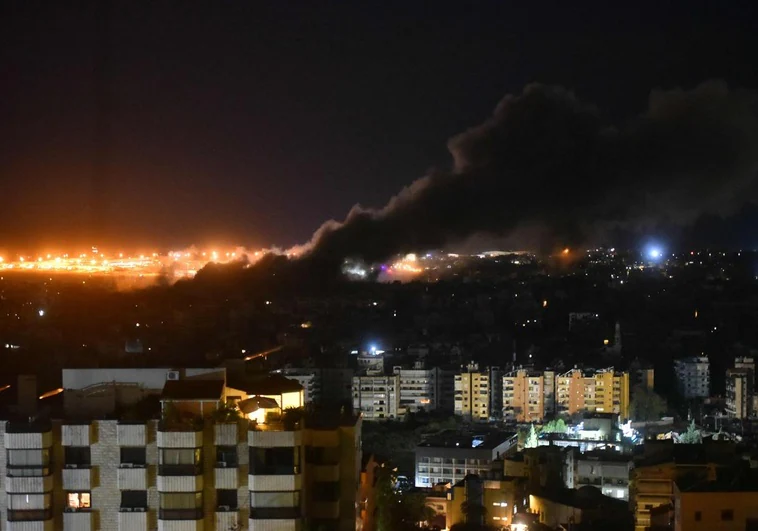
[544,158]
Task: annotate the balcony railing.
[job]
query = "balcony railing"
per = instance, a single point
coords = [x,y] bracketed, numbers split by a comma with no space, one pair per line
[32,515]
[180,514]
[274,513]
[180,470]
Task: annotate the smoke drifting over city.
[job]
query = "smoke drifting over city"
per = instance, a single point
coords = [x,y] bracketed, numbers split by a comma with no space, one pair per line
[546,159]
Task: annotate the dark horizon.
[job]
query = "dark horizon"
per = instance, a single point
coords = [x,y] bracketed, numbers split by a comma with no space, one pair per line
[148,126]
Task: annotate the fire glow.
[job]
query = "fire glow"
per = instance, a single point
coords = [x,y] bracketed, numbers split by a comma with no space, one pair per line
[179,264]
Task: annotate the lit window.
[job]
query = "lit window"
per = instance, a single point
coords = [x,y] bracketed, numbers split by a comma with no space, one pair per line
[78,500]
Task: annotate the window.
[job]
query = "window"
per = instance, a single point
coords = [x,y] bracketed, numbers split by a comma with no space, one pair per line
[226,499]
[77,456]
[181,506]
[180,461]
[28,462]
[226,456]
[275,505]
[133,455]
[698,516]
[78,500]
[273,461]
[133,499]
[727,515]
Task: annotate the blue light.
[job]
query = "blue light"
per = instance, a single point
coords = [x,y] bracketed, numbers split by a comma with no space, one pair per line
[654,253]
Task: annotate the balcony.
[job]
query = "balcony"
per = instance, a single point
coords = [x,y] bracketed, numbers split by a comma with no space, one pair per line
[132,478]
[226,478]
[77,479]
[227,519]
[32,520]
[274,439]
[180,439]
[279,482]
[77,521]
[27,436]
[180,520]
[132,520]
[193,483]
[225,434]
[131,434]
[24,484]
[76,435]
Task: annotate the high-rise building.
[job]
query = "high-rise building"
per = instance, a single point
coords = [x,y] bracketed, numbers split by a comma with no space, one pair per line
[377,397]
[693,376]
[641,374]
[593,391]
[472,394]
[420,388]
[524,395]
[740,388]
[205,465]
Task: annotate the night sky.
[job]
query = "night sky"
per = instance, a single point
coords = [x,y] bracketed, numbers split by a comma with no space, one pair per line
[251,123]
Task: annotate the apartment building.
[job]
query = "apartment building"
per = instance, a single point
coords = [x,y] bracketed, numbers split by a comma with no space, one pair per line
[608,471]
[740,388]
[524,395]
[420,389]
[450,456]
[693,377]
[204,466]
[593,391]
[472,394]
[377,397]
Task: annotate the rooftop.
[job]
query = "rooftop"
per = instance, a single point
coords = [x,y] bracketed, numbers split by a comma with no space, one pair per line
[464,440]
[270,384]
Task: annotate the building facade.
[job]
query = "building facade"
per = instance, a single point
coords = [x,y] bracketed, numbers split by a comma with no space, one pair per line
[377,397]
[472,394]
[185,472]
[448,458]
[693,377]
[592,391]
[524,394]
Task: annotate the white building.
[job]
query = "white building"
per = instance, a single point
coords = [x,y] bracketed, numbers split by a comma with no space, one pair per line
[310,379]
[196,469]
[376,397]
[608,471]
[693,377]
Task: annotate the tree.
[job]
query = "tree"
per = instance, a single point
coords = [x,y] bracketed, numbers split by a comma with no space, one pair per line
[692,435]
[531,440]
[555,426]
[646,405]
[398,511]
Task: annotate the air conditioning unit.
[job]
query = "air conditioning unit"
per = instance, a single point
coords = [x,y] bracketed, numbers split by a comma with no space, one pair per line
[172,375]
[221,464]
[224,508]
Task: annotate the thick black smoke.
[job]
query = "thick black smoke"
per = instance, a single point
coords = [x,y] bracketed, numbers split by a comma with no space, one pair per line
[546,159]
